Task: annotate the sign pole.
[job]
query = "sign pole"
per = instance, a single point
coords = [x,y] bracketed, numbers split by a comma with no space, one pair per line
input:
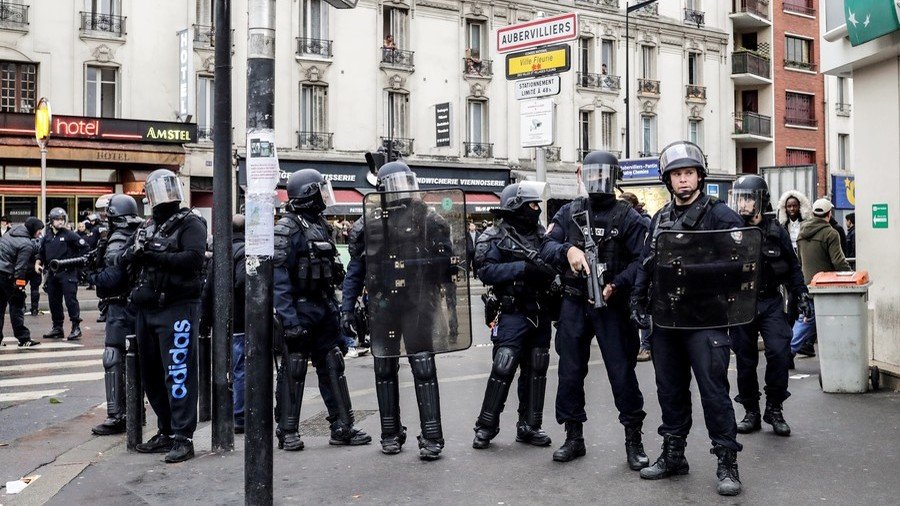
[42,120]
[540,169]
[44,179]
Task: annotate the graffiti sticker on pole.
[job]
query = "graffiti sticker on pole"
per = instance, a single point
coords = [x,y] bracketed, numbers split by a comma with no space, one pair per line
[262,176]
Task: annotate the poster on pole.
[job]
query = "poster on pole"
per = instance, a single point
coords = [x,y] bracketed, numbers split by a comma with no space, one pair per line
[262,176]
[536,119]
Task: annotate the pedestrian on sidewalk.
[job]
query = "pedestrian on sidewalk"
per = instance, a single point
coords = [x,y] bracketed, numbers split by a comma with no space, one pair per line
[793,210]
[820,251]
[111,279]
[16,257]
[60,243]
[166,255]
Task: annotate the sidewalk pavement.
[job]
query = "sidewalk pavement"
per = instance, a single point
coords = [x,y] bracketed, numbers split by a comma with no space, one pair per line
[844,450]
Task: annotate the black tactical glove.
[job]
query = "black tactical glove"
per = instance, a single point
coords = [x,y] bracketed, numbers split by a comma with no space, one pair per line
[538,272]
[805,306]
[639,315]
[295,333]
[348,324]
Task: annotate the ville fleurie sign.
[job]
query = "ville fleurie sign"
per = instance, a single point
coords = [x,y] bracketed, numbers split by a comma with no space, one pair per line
[102,129]
[538,32]
[539,62]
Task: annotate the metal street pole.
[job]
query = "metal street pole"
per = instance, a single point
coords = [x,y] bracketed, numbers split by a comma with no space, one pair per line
[222,405]
[44,180]
[540,173]
[628,10]
[259,252]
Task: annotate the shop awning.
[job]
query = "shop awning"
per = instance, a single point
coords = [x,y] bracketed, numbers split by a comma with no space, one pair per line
[481,203]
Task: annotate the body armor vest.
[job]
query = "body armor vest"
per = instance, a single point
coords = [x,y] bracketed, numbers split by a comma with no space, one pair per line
[156,285]
[607,229]
[112,248]
[775,266]
[318,270]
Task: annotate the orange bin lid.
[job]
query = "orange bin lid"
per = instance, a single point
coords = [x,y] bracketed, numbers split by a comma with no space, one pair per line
[845,278]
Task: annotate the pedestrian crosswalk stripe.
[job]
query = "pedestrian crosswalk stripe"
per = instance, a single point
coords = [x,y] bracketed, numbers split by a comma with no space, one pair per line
[40,355]
[40,366]
[30,396]
[49,380]
[12,347]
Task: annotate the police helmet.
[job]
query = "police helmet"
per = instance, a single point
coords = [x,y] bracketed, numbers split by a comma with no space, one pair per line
[681,155]
[516,195]
[163,186]
[103,202]
[396,177]
[599,172]
[749,196]
[307,188]
[122,210]
[58,213]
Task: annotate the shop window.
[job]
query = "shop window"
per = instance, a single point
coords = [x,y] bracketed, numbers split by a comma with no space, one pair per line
[205,106]
[18,86]
[18,209]
[100,85]
[99,176]
[314,19]
[22,173]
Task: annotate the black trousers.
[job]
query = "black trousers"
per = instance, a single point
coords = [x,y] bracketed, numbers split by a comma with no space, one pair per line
[167,342]
[13,299]
[59,286]
[119,324]
[772,322]
[705,352]
[35,281]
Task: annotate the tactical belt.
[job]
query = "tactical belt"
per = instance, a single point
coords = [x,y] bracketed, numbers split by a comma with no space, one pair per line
[117,299]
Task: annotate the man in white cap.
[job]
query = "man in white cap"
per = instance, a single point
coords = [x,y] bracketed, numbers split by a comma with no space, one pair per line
[819,246]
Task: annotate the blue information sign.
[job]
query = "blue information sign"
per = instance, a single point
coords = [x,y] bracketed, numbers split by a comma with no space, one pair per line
[641,168]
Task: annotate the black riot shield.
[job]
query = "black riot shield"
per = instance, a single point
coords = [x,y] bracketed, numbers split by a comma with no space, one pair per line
[415,250]
[706,279]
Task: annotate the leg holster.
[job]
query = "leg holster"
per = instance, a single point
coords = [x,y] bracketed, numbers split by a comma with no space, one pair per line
[540,362]
[425,379]
[387,390]
[334,362]
[114,380]
[504,369]
[293,378]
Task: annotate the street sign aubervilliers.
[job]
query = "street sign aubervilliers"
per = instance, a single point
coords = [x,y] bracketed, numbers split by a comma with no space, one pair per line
[539,62]
[538,32]
[536,122]
[537,88]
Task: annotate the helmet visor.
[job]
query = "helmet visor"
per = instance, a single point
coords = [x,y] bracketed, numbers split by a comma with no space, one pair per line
[163,189]
[531,191]
[327,193]
[399,182]
[747,203]
[599,178]
[681,151]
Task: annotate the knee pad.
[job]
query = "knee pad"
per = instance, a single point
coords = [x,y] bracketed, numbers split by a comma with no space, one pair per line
[423,366]
[296,365]
[112,357]
[334,361]
[505,362]
[386,367]
[540,360]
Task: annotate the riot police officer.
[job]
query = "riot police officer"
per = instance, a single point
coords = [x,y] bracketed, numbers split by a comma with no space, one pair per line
[403,308]
[111,279]
[676,350]
[749,197]
[616,232]
[506,258]
[166,257]
[307,270]
[60,243]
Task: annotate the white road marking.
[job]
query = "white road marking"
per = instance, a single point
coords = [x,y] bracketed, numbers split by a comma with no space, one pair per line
[50,380]
[73,364]
[13,347]
[31,355]
[30,396]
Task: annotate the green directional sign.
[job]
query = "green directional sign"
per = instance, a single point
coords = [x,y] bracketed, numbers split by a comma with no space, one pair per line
[879,216]
[870,19]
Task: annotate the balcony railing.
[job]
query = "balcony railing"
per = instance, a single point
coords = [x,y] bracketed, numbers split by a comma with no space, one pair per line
[804,7]
[609,4]
[648,154]
[400,145]
[803,122]
[478,149]
[13,15]
[649,10]
[694,17]
[317,141]
[397,57]
[842,109]
[598,81]
[476,67]
[552,154]
[751,123]
[204,35]
[747,62]
[759,8]
[205,134]
[314,47]
[107,23]
[801,65]
[648,86]
[695,92]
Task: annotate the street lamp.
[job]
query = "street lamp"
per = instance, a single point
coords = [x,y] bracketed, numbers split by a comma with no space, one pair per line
[42,119]
[628,10]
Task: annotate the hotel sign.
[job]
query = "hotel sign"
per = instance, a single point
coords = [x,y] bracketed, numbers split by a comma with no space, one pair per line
[102,129]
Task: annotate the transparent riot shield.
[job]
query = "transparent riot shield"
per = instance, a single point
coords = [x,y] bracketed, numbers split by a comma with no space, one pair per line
[415,253]
[706,279]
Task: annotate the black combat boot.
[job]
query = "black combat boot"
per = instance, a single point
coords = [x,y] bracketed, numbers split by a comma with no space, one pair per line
[110,426]
[727,471]
[483,437]
[774,417]
[534,436]
[160,443]
[671,461]
[55,333]
[391,444]
[634,449]
[182,449]
[751,421]
[76,331]
[430,448]
[574,445]
[344,435]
